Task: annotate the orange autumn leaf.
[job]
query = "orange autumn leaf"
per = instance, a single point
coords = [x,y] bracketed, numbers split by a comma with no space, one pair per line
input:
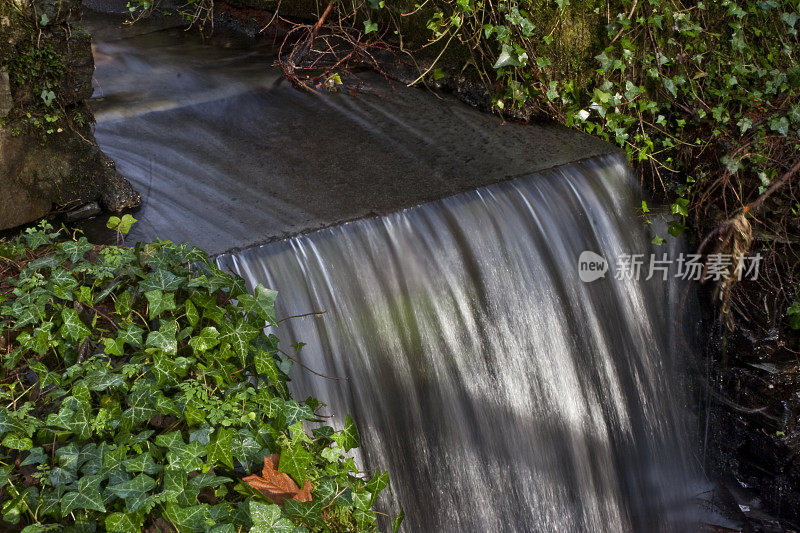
[277,486]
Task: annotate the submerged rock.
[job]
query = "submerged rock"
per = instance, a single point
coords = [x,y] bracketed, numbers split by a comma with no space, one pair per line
[85,211]
[118,194]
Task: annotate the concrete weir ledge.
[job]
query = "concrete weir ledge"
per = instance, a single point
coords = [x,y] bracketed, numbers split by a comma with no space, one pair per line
[227,155]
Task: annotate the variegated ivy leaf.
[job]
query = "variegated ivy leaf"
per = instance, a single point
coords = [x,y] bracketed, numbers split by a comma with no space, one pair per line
[86,497]
[75,250]
[192,316]
[182,456]
[239,335]
[161,280]
[375,485]
[62,283]
[262,303]
[245,448]
[207,339]
[164,369]
[165,337]
[348,438]
[124,522]
[74,416]
[134,492]
[141,399]
[142,462]
[189,518]
[268,518]
[73,328]
[365,519]
[295,461]
[158,302]
[131,334]
[219,449]
[295,412]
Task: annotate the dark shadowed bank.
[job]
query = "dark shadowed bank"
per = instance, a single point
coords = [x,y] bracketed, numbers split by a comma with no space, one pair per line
[48,157]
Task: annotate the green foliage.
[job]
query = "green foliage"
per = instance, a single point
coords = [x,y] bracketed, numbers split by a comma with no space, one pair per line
[703,96]
[35,67]
[139,388]
[793,312]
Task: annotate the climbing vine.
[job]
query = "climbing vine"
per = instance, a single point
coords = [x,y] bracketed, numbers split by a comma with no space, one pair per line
[139,391]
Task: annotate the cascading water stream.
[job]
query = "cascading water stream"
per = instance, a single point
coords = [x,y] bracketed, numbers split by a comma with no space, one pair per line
[501,391]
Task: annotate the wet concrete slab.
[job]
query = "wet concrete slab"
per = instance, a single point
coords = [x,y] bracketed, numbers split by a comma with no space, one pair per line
[227,155]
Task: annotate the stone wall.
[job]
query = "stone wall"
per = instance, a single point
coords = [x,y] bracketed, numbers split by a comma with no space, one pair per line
[48,155]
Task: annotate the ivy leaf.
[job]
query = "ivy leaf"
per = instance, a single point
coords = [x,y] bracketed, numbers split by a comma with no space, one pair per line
[207,339]
[73,328]
[165,405]
[670,86]
[87,496]
[208,480]
[75,250]
[35,457]
[141,408]
[262,304]
[239,337]
[187,518]
[159,302]
[164,369]
[398,521]
[375,485]
[131,334]
[245,449]
[348,438]
[370,27]
[675,228]
[122,225]
[182,456]
[790,19]
[220,449]
[295,412]
[14,441]
[114,346]
[164,338]
[779,124]
[101,379]
[161,280]
[142,462]
[309,513]
[191,313]
[5,472]
[268,518]
[793,312]
[62,282]
[74,416]
[508,58]
[295,460]
[365,519]
[134,492]
[124,523]
[36,238]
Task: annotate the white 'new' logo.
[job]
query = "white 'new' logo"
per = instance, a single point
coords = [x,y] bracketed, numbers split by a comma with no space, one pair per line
[591,266]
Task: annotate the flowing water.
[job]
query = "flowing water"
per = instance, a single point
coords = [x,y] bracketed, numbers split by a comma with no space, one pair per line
[501,391]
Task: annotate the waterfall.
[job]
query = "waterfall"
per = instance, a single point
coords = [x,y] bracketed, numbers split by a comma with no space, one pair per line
[500,391]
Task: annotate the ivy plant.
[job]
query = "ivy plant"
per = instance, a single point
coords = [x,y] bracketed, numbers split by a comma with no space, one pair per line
[139,390]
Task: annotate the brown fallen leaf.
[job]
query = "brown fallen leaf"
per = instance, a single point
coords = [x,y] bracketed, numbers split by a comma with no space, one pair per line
[277,486]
